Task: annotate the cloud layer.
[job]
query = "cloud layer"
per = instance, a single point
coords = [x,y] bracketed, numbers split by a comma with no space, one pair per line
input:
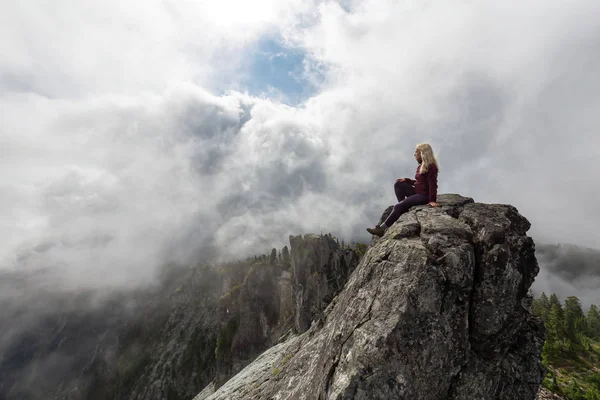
[568,270]
[120,152]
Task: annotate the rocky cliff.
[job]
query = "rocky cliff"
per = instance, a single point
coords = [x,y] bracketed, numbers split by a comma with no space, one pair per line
[437,309]
[320,270]
[272,302]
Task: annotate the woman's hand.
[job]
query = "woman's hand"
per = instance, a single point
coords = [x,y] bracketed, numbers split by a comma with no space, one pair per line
[434,204]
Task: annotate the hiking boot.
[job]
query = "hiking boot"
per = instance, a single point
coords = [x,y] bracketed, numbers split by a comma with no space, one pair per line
[377,231]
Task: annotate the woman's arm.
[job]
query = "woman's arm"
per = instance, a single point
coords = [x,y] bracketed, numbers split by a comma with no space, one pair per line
[432,175]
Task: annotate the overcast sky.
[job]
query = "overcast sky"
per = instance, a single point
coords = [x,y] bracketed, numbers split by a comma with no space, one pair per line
[140,132]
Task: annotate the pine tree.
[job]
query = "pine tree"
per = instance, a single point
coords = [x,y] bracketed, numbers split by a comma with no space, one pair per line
[273,257]
[573,317]
[537,308]
[544,303]
[554,301]
[593,322]
[556,321]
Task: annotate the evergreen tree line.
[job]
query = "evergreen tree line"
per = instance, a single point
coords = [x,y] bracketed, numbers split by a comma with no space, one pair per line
[282,256]
[571,333]
[276,257]
[566,324]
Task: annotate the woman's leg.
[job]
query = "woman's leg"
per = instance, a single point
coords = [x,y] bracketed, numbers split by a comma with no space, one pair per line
[403,190]
[403,206]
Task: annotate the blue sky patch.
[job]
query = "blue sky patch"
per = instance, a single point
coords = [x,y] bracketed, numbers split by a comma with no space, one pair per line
[278,71]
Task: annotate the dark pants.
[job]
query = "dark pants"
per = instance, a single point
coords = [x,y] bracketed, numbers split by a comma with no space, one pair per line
[407,198]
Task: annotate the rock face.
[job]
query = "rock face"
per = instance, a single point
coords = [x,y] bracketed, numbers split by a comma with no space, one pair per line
[272,302]
[251,318]
[320,270]
[436,309]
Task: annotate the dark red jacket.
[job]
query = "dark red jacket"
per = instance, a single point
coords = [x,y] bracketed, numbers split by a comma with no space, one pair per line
[426,183]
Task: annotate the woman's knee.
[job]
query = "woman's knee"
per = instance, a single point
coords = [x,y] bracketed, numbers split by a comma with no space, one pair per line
[398,184]
[401,207]
[403,188]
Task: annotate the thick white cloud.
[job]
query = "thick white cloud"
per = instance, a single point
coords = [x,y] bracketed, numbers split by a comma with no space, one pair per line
[72,49]
[117,155]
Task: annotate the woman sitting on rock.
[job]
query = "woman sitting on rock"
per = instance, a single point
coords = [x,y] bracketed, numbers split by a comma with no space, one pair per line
[409,192]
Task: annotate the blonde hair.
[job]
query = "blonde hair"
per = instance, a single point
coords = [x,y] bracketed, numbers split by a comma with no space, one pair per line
[427,157]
